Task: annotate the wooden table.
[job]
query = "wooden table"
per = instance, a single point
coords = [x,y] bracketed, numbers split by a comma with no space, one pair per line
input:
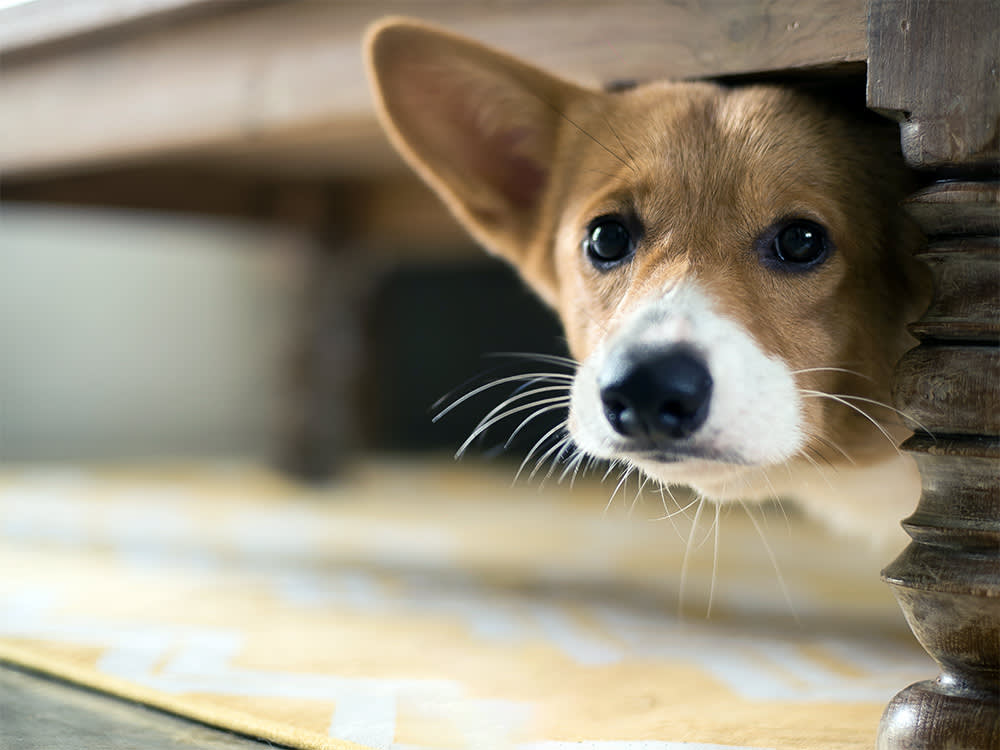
[261,109]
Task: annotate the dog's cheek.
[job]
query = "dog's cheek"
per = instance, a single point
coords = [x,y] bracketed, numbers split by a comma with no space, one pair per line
[585,318]
[586,422]
[758,408]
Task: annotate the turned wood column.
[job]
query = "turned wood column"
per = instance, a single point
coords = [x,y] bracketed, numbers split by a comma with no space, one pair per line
[322,418]
[935,67]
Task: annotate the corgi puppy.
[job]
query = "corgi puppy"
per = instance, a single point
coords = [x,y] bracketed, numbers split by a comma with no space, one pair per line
[731,265]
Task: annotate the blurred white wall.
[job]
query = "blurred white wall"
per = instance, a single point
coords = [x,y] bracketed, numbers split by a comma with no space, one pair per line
[129,335]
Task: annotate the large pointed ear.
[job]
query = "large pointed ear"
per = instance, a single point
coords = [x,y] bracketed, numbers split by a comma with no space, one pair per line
[479,126]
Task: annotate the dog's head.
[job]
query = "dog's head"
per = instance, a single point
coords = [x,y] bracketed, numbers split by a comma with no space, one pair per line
[718,256]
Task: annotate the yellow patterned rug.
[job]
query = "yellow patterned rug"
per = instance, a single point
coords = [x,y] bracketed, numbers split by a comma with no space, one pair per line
[423,606]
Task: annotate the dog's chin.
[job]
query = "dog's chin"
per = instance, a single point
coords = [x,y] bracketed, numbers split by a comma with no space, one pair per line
[716,480]
[715,468]
[718,475]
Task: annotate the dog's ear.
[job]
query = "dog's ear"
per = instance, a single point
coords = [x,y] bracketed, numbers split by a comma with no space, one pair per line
[479,126]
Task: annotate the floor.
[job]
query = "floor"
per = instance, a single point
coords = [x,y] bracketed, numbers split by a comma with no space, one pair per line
[428,605]
[37,713]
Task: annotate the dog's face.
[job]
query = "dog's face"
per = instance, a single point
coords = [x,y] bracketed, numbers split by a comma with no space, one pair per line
[718,257]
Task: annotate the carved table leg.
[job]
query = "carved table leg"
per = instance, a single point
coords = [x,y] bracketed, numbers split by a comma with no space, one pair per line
[934,66]
[948,579]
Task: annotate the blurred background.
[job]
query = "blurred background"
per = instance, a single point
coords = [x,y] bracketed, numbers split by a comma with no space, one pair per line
[140,334]
[208,249]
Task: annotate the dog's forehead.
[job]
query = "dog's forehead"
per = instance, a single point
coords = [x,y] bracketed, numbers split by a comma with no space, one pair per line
[686,157]
[678,117]
[698,130]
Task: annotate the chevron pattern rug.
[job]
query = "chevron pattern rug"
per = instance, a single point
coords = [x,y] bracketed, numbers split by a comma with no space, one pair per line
[426,606]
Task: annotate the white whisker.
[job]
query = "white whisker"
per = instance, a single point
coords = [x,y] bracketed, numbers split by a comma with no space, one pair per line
[553,359]
[566,448]
[883,405]
[832,444]
[708,534]
[547,404]
[521,397]
[859,410]
[715,561]
[638,493]
[539,376]
[573,466]
[687,555]
[626,473]
[680,510]
[553,452]
[558,404]
[777,500]
[584,463]
[663,498]
[537,445]
[834,369]
[774,561]
[667,516]
[817,467]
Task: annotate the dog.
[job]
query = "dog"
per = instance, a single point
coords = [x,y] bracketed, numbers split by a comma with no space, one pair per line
[731,264]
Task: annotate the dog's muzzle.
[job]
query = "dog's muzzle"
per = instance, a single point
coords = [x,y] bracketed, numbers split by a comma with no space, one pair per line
[656,397]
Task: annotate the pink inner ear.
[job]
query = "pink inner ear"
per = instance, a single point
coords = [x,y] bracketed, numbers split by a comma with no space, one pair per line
[519,178]
[488,133]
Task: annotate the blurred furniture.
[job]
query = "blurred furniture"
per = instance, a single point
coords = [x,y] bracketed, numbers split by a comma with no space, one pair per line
[261,109]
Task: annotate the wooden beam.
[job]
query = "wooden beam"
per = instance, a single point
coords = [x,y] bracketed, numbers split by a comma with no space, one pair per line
[287,77]
[29,25]
[395,217]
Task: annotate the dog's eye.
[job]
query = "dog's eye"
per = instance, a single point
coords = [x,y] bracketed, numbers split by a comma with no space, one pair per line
[608,242]
[800,242]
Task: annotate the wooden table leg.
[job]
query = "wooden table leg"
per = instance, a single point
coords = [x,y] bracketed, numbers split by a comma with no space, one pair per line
[322,419]
[934,67]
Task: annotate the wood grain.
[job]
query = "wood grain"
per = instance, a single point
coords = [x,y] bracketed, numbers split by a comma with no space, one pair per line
[37,713]
[957,208]
[954,48]
[951,389]
[966,274]
[287,78]
[934,68]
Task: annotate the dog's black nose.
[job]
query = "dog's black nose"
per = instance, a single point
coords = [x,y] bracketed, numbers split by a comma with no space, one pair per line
[662,396]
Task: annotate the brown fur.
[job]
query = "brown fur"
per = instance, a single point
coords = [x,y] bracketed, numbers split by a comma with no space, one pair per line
[525,161]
